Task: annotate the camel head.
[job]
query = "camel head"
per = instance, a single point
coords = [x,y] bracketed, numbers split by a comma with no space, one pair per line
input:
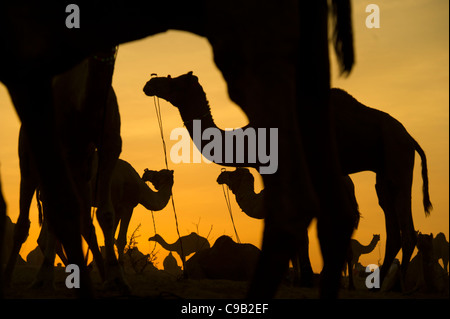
[159,179]
[234,179]
[156,238]
[425,242]
[376,237]
[174,90]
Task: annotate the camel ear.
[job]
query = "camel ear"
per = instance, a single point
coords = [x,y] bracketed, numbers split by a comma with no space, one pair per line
[169,77]
[190,73]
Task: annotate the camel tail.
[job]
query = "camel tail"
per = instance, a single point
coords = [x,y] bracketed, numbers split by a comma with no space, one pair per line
[426,196]
[343,34]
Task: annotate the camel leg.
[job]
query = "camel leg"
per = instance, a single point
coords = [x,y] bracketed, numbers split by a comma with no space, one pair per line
[306,272]
[27,189]
[121,242]
[105,216]
[393,238]
[283,233]
[88,232]
[47,243]
[335,218]
[34,103]
[405,221]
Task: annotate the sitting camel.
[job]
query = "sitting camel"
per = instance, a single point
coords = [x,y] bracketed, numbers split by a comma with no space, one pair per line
[189,244]
[367,140]
[241,182]
[440,249]
[171,266]
[354,252]
[425,274]
[224,260]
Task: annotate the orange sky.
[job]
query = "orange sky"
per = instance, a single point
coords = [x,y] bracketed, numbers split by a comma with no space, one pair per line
[402,69]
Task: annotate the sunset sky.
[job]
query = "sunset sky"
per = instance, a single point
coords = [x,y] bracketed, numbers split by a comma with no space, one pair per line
[401,68]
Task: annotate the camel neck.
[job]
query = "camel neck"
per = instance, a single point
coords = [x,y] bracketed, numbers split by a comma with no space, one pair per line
[249,201]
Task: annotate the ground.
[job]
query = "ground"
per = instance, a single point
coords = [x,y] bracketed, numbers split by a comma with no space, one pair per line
[158,284]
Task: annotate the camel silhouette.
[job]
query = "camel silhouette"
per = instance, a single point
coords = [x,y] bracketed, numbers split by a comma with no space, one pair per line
[241,183]
[355,251]
[264,64]
[440,249]
[367,139]
[425,274]
[83,97]
[189,244]
[171,266]
[128,190]
[224,260]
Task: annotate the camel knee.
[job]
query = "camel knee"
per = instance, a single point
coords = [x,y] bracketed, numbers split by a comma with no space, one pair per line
[21,230]
[408,245]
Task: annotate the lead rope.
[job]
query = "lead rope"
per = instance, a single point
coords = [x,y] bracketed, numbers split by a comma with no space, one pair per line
[226,194]
[161,130]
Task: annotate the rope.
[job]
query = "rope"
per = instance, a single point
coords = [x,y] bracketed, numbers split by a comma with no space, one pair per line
[161,130]
[226,194]
[154,229]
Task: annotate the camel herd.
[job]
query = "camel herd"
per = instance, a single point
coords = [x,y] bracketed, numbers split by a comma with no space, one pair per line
[60,82]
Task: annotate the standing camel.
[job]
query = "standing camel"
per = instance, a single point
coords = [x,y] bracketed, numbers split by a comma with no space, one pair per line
[128,190]
[270,53]
[83,97]
[354,252]
[367,139]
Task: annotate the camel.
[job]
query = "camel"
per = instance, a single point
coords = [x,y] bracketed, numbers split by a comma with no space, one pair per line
[189,244]
[425,274]
[83,99]
[224,260]
[128,190]
[270,53]
[440,249]
[367,139]
[241,182]
[354,252]
[171,266]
